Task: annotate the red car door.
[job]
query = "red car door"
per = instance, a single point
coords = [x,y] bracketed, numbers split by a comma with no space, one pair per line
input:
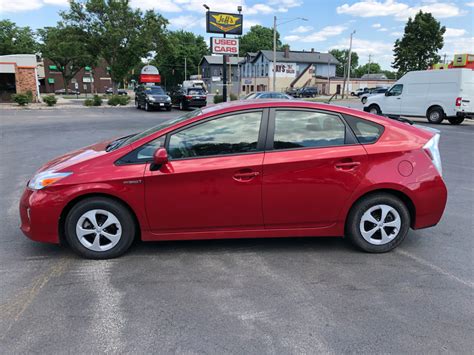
[213,180]
[309,171]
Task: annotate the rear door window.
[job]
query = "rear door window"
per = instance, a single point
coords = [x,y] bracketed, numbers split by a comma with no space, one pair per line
[307,129]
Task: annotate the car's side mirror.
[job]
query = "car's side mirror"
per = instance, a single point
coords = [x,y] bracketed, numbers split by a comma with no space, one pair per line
[160,157]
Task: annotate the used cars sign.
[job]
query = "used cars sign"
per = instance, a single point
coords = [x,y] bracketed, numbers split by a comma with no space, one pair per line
[220,22]
[221,45]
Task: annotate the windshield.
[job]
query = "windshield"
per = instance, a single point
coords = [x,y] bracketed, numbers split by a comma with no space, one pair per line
[195,92]
[158,127]
[154,90]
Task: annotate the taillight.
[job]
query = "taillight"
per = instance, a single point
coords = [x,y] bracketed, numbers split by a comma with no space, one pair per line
[458,101]
[189,97]
[431,149]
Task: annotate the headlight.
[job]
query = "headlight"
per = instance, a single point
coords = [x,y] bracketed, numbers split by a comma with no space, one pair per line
[45,178]
[151,98]
[168,99]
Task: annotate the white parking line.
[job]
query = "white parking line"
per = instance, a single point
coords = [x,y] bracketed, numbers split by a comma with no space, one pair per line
[435,268]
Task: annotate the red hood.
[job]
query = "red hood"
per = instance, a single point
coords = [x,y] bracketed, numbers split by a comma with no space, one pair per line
[65,161]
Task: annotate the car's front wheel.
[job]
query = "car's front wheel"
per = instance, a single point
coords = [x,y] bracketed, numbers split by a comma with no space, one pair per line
[375,109]
[435,115]
[364,100]
[99,228]
[378,223]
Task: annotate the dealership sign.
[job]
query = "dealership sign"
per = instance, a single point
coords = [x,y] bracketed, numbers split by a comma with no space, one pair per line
[220,22]
[150,74]
[220,45]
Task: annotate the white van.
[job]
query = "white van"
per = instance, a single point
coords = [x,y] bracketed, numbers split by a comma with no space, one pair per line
[434,94]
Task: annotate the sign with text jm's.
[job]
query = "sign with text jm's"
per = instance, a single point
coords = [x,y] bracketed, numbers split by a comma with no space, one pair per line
[220,22]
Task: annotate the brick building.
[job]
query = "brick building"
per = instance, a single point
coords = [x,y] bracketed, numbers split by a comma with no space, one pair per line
[19,73]
[87,80]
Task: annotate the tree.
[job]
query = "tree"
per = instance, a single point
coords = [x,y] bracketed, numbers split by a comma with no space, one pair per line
[16,40]
[364,69]
[67,47]
[120,35]
[170,59]
[342,55]
[418,48]
[258,38]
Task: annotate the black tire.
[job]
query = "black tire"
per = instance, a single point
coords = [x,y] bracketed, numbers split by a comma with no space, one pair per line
[353,222]
[137,105]
[435,115]
[147,106]
[168,108]
[181,106]
[128,228]
[364,100]
[376,109]
[456,120]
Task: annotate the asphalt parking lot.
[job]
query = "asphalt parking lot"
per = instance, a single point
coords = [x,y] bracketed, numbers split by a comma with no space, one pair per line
[302,295]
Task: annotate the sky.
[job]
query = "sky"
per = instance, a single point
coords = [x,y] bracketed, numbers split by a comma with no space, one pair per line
[378,23]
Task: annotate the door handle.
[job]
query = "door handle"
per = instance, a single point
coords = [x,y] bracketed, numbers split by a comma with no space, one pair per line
[245,176]
[347,166]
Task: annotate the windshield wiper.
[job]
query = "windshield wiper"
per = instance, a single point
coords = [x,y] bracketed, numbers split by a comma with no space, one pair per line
[116,143]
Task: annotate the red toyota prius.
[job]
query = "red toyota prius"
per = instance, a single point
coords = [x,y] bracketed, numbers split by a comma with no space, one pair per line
[242,170]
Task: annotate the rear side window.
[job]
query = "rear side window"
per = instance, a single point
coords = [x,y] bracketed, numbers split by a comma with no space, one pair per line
[307,129]
[365,131]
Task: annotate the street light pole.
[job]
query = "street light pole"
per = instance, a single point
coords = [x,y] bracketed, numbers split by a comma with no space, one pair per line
[348,67]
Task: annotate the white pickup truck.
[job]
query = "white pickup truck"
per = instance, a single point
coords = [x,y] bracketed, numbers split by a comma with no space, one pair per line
[434,94]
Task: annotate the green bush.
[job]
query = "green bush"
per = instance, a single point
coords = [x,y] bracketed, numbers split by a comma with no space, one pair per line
[21,99]
[29,94]
[116,100]
[50,100]
[89,102]
[218,99]
[96,101]
[233,97]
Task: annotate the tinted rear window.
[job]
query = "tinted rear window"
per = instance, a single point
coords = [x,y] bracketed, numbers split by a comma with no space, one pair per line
[195,92]
[365,131]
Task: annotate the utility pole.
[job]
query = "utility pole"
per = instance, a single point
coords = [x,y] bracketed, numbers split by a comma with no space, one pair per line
[368,69]
[224,77]
[274,50]
[348,67]
[185,69]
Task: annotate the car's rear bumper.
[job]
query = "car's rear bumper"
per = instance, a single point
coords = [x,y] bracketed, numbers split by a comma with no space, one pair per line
[159,104]
[195,103]
[464,114]
[429,199]
[39,215]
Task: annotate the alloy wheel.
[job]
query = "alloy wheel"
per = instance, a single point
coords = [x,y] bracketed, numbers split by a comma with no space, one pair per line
[380,224]
[98,230]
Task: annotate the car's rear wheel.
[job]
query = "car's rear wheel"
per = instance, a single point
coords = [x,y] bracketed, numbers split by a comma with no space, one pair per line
[99,228]
[137,104]
[435,115]
[375,109]
[181,106]
[456,120]
[378,223]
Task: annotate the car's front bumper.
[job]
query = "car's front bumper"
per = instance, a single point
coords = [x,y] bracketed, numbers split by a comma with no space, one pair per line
[40,212]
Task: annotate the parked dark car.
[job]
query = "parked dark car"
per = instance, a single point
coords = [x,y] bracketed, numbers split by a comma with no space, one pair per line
[293,92]
[110,91]
[185,98]
[308,92]
[268,95]
[373,91]
[150,97]
[69,92]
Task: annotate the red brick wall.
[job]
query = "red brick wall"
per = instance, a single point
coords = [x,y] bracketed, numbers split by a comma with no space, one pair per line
[25,81]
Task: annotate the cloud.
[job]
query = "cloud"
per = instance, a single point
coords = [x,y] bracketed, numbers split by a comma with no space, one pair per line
[381,52]
[187,21]
[249,23]
[396,33]
[263,9]
[57,2]
[400,11]
[457,45]
[160,5]
[470,4]
[302,29]
[19,5]
[319,36]
[383,29]
[455,32]
[376,25]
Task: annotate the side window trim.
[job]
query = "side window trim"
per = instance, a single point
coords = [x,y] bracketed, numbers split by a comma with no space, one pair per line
[350,138]
[261,135]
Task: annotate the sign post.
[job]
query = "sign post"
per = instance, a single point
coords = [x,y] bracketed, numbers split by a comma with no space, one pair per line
[225,23]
